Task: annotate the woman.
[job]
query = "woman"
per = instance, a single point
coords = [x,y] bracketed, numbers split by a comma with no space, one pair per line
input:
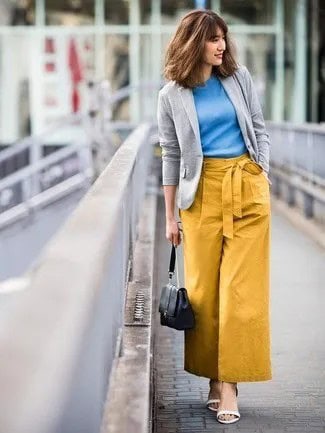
[215,149]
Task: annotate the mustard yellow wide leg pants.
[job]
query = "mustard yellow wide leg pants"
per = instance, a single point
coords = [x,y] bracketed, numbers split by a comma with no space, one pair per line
[226,240]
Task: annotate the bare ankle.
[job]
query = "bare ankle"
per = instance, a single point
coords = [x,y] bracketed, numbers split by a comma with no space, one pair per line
[230,384]
[214,381]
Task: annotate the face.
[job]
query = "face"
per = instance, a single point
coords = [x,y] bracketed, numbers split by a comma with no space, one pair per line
[214,48]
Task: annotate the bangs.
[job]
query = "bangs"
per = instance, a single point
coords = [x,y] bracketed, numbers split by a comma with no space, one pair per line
[214,26]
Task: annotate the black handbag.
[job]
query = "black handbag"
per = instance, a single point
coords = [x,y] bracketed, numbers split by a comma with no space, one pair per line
[174,306]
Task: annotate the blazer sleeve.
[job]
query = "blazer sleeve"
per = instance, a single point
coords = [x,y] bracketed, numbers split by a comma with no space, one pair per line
[262,137]
[168,142]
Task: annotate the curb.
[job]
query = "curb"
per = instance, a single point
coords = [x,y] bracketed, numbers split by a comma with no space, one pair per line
[128,404]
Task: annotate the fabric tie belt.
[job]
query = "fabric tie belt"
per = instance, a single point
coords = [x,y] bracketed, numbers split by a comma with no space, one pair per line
[231,192]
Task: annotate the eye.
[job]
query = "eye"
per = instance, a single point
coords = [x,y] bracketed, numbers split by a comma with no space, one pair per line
[216,38]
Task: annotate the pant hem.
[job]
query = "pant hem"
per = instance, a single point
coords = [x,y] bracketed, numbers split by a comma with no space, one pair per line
[230,378]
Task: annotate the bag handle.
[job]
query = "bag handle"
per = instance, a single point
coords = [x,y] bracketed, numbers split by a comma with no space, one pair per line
[172,261]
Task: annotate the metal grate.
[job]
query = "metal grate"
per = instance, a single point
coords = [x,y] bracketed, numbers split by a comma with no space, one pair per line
[139,306]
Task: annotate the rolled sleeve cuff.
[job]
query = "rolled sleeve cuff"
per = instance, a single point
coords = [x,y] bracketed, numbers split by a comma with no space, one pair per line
[170,181]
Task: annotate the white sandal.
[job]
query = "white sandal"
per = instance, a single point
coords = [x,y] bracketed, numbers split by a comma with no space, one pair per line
[228,412]
[212,400]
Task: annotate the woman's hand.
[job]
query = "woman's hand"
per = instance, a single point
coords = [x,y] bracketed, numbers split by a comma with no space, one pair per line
[173,233]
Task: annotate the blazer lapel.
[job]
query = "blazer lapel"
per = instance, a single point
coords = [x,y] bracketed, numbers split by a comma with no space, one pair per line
[189,106]
[229,84]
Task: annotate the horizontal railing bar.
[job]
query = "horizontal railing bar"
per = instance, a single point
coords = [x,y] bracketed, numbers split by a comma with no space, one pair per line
[27,142]
[54,157]
[305,127]
[41,199]
[122,29]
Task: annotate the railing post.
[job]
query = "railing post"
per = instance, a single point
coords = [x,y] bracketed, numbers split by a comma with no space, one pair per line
[35,156]
[276,186]
[26,189]
[308,205]
[291,196]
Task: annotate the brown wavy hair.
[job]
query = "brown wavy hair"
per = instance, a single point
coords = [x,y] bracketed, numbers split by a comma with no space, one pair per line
[185,50]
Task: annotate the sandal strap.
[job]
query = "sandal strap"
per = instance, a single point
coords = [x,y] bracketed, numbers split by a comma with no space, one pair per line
[213,400]
[228,412]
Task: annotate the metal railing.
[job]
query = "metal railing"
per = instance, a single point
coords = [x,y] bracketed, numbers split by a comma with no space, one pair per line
[47,179]
[297,164]
[80,159]
[27,150]
[59,340]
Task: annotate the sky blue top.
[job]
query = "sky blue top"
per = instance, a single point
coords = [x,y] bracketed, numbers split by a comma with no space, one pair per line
[220,132]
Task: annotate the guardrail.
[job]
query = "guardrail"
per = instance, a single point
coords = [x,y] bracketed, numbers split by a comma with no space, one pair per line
[59,340]
[25,173]
[297,164]
[47,179]
[26,151]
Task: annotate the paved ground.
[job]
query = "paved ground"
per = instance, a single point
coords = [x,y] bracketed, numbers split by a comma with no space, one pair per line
[294,400]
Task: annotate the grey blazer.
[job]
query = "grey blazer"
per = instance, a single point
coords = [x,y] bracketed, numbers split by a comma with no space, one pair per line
[179,134]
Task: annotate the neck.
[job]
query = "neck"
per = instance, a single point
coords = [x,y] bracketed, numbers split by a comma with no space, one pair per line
[206,71]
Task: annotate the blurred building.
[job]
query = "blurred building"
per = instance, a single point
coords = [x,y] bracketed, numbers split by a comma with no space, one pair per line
[51,49]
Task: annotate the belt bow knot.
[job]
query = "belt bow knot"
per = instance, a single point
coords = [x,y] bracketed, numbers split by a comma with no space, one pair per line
[232,192]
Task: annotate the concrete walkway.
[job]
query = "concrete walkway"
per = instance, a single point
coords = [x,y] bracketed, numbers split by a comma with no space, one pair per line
[294,400]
